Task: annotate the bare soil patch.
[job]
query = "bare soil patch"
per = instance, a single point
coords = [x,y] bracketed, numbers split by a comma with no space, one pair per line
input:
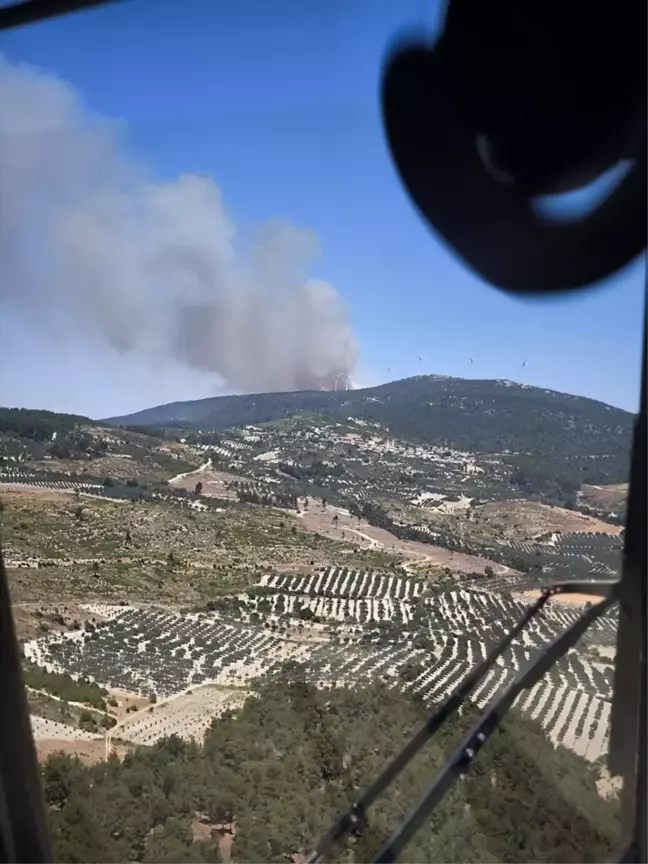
[577,599]
[202,828]
[353,530]
[214,483]
[529,520]
[610,497]
[127,704]
[31,619]
[12,495]
[569,599]
[89,752]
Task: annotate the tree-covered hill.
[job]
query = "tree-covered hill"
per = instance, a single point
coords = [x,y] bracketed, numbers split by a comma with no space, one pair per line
[272,777]
[37,445]
[477,415]
[37,425]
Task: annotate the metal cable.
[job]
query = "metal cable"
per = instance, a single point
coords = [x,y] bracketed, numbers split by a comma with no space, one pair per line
[461,761]
[352,821]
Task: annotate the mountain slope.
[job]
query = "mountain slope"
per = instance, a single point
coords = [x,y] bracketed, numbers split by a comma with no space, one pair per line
[524,801]
[477,415]
[39,443]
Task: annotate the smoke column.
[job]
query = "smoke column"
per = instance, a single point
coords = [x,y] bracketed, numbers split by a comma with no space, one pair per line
[89,239]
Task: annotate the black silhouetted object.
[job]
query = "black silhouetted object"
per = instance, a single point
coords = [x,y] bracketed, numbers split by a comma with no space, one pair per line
[515,101]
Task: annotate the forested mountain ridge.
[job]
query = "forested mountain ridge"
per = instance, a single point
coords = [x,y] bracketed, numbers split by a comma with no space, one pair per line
[272,776]
[472,415]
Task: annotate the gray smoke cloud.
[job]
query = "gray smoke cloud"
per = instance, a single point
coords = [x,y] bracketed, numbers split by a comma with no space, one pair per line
[89,239]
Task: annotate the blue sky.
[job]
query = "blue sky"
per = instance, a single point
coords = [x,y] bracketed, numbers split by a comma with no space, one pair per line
[278,102]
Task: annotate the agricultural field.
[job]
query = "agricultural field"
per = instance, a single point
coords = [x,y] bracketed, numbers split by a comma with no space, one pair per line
[188,715]
[350,460]
[572,557]
[447,507]
[158,577]
[607,500]
[517,520]
[44,729]
[333,627]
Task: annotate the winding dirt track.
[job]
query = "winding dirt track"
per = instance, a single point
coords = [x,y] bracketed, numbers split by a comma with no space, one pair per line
[321,521]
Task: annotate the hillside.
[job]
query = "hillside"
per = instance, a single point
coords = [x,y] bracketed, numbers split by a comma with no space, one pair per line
[269,780]
[441,504]
[472,415]
[178,567]
[91,548]
[68,447]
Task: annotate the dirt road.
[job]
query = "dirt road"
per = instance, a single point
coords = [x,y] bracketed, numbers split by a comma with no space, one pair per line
[214,483]
[321,521]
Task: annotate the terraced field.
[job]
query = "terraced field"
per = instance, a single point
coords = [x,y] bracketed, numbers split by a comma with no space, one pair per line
[147,651]
[182,598]
[337,625]
[51,730]
[189,714]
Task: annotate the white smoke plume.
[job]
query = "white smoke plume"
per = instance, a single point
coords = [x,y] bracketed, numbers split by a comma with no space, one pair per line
[86,237]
